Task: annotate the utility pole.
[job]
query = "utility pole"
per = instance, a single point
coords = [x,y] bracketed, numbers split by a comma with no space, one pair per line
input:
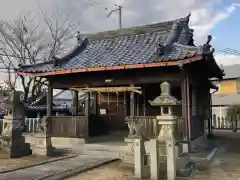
[119,9]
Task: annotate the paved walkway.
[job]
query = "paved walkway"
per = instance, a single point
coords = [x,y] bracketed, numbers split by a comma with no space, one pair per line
[57,169]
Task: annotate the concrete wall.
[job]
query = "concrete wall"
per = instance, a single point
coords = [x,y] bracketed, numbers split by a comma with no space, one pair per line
[228,87]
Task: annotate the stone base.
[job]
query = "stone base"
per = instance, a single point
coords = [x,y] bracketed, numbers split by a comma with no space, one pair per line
[43,145]
[15,147]
[128,155]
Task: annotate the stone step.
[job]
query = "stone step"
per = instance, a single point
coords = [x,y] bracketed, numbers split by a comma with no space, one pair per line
[107,154]
[104,147]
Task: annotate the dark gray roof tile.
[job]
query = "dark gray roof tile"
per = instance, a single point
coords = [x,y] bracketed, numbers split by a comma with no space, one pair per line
[137,45]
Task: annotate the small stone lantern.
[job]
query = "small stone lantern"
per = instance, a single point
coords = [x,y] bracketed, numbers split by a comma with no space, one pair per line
[166,118]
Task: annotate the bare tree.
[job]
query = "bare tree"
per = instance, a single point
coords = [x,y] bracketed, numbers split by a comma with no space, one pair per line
[33,39]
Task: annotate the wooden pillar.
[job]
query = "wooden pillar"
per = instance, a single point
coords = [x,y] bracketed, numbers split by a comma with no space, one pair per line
[184,107]
[75,103]
[210,116]
[194,101]
[87,116]
[125,104]
[132,102]
[188,110]
[49,105]
[137,104]
[144,100]
[49,99]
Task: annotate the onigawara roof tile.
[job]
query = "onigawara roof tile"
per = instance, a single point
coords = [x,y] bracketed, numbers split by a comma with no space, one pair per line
[161,42]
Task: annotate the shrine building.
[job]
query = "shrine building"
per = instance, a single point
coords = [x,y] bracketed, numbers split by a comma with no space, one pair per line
[121,70]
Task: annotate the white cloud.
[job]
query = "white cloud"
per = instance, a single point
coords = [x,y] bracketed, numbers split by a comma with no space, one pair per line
[90,16]
[203,20]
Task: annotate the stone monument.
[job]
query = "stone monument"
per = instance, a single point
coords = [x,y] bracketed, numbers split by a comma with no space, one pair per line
[11,138]
[43,144]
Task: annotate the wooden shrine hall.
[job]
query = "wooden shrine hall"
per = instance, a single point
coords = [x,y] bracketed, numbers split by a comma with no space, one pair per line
[121,70]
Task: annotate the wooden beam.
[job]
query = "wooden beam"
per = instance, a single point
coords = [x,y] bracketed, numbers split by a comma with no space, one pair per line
[49,99]
[117,78]
[109,89]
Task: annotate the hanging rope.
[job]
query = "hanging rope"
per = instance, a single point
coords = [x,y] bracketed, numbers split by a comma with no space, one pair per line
[99,98]
[117,99]
[124,103]
[110,89]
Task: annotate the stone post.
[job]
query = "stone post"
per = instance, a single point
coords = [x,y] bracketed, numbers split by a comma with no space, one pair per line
[154,159]
[138,158]
[171,159]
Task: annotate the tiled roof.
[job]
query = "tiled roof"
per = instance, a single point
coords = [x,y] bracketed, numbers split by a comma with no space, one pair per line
[44,107]
[232,71]
[66,95]
[57,108]
[172,40]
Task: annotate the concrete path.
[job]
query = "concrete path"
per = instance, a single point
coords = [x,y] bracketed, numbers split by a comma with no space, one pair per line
[56,170]
[226,164]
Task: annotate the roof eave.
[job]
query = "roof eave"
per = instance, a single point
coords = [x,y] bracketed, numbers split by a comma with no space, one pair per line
[112,68]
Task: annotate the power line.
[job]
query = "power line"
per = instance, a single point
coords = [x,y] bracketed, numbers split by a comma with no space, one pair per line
[229,51]
[119,9]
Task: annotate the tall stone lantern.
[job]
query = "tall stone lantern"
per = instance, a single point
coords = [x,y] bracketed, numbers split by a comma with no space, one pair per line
[11,139]
[166,118]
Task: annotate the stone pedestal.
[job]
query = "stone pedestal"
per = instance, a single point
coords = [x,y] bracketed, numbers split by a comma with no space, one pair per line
[174,161]
[128,155]
[43,145]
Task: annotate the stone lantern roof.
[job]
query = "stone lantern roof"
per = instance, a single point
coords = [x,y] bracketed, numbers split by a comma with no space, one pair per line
[165,98]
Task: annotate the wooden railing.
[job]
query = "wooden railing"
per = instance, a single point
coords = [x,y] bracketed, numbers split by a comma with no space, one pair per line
[179,129]
[68,126]
[149,125]
[61,126]
[151,128]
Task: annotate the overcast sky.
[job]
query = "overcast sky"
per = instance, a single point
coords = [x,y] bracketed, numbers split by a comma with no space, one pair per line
[90,15]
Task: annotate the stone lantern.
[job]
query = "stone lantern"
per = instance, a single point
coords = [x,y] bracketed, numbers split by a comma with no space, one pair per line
[166,118]
[166,140]
[11,139]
